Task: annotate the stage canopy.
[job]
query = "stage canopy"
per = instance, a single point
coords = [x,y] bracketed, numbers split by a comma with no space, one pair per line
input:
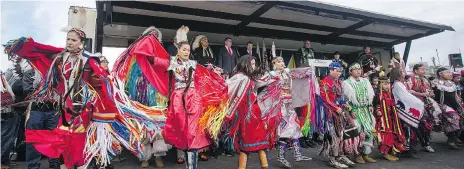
[329,27]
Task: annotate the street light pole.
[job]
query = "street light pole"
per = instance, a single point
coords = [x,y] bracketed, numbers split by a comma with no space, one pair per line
[439,63]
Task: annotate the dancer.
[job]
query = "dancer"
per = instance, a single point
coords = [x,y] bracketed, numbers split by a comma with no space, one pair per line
[68,88]
[446,95]
[421,88]
[252,117]
[334,120]
[289,129]
[410,108]
[360,94]
[77,87]
[141,69]
[197,103]
[388,127]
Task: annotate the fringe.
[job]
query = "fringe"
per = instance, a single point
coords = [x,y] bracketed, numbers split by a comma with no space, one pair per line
[101,144]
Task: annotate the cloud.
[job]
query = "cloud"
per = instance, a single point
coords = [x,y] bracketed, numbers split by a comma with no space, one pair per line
[40,20]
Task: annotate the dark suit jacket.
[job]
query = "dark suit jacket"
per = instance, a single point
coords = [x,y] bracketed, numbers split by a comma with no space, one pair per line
[227,62]
[172,50]
[253,53]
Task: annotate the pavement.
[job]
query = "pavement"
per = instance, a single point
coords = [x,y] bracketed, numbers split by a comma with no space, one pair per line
[443,158]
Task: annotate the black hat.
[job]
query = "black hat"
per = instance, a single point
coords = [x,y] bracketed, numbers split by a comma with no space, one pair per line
[336,53]
[440,70]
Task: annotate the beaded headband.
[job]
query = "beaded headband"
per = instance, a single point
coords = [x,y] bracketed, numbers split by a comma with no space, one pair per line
[78,31]
[355,66]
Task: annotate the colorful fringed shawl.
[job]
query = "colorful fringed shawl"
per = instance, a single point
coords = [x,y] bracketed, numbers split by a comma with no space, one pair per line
[142,67]
[305,81]
[241,107]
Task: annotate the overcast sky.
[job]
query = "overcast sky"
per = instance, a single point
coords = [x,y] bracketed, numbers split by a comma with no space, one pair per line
[43,21]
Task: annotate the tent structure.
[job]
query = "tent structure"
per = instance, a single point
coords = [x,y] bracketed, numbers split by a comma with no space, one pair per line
[329,27]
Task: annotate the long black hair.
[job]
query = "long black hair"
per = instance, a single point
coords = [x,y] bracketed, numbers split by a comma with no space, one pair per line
[244,66]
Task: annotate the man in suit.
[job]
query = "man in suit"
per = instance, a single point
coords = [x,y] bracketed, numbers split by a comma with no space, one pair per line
[249,51]
[228,56]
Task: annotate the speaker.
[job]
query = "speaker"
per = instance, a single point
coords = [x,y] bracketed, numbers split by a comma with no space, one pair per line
[455,60]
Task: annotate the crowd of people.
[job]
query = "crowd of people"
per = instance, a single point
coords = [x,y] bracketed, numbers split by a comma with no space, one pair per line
[81,114]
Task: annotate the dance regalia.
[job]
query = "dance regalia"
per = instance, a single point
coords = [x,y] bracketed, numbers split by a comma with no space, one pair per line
[69,86]
[421,84]
[194,105]
[410,110]
[290,127]
[360,95]
[445,94]
[341,136]
[388,127]
[142,70]
[252,117]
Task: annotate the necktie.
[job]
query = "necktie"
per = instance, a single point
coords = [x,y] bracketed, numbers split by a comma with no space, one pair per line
[230,51]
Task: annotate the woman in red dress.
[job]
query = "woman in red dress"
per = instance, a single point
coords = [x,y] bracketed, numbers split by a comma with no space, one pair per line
[253,116]
[197,96]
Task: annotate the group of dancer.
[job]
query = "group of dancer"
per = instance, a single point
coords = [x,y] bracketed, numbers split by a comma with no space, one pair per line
[150,101]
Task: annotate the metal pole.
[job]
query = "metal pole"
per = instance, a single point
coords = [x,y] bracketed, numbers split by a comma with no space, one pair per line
[439,63]
[99,27]
[406,51]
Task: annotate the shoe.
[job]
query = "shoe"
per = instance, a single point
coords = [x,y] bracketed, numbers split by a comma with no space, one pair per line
[302,158]
[368,159]
[229,154]
[159,162]
[360,160]
[303,143]
[334,163]
[281,154]
[346,161]
[203,157]
[284,162]
[145,164]
[180,160]
[452,146]
[458,142]
[429,149]
[297,152]
[390,157]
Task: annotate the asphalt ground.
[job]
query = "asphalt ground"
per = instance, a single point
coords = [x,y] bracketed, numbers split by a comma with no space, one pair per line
[443,158]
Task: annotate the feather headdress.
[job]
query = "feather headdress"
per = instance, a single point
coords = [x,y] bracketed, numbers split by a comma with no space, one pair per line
[196,42]
[181,34]
[158,33]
